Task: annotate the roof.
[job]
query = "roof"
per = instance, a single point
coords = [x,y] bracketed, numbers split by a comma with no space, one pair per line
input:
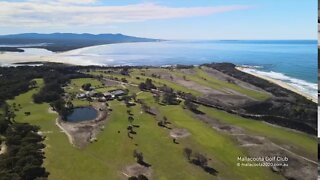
[117,92]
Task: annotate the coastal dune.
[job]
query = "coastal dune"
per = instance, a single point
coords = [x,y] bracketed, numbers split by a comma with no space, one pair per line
[279,82]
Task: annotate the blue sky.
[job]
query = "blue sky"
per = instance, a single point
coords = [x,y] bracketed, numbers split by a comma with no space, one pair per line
[179,19]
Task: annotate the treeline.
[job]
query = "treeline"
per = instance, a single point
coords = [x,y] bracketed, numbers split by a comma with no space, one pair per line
[286,104]
[24,154]
[23,157]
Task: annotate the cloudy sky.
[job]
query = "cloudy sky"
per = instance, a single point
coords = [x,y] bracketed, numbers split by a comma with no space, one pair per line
[174,19]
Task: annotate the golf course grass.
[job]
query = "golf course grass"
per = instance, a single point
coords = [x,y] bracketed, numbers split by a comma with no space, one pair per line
[306,144]
[107,158]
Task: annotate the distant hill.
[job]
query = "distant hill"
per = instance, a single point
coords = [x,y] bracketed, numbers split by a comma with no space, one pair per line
[64,41]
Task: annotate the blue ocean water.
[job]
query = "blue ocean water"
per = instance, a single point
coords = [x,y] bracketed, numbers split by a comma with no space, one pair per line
[290,61]
[297,59]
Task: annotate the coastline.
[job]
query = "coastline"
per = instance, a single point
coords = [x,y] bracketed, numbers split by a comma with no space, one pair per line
[278,82]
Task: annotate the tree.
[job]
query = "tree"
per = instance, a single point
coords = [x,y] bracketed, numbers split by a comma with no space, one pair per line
[86,87]
[142,177]
[130,129]
[190,105]
[125,71]
[130,119]
[201,160]
[170,98]
[187,152]
[149,84]
[138,155]
[142,86]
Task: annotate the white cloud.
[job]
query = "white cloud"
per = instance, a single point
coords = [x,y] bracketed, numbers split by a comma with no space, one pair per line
[58,13]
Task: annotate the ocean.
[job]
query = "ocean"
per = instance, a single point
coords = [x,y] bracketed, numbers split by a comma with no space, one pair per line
[291,61]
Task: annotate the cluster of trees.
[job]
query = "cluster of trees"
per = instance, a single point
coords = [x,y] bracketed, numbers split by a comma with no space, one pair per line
[16,80]
[199,160]
[23,158]
[170,98]
[24,154]
[147,85]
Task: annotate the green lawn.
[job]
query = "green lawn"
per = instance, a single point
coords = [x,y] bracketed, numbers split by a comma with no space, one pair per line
[134,74]
[106,158]
[303,143]
[221,148]
[75,84]
[202,78]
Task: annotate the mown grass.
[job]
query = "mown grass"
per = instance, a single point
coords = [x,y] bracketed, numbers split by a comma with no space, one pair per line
[136,78]
[76,84]
[106,158]
[219,147]
[205,79]
[304,143]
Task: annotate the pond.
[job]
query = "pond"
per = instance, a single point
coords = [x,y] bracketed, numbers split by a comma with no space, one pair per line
[82,114]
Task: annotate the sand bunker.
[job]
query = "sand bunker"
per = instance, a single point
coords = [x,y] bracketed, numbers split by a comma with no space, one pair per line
[179,133]
[136,170]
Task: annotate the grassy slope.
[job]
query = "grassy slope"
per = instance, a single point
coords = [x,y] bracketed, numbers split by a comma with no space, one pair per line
[304,143]
[221,148]
[113,151]
[203,78]
[75,85]
[251,93]
[158,82]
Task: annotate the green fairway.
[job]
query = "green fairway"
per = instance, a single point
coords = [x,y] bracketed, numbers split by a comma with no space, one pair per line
[113,151]
[136,78]
[204,79]
[75,84]
[306,144]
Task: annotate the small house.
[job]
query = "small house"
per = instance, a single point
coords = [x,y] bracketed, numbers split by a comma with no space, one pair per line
[81,96]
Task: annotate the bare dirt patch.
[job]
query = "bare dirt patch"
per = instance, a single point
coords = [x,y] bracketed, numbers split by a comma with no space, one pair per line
[82,133]
[108,82]
[179,133]
[136,170]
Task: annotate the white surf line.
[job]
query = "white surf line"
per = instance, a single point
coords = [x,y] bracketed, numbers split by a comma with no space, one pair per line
[280,83]
[68,135]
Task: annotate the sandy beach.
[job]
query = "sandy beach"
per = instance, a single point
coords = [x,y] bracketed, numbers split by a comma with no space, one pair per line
[278,82]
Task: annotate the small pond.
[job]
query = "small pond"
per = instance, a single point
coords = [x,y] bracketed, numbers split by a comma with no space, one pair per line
[82,114]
